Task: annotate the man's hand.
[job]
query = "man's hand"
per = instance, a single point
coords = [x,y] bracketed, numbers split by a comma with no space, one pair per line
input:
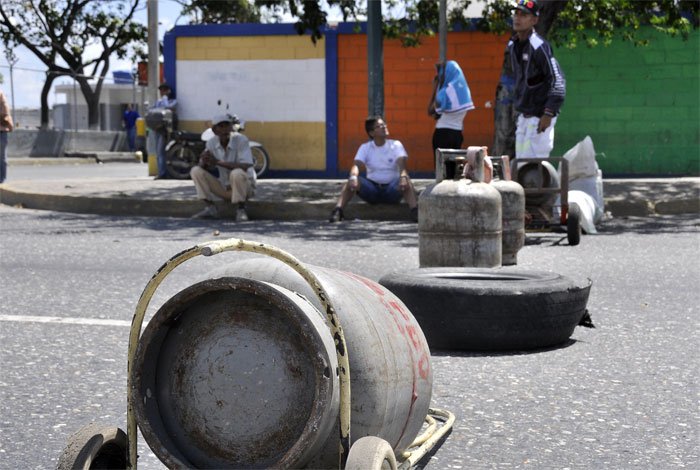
[207,160]
[403,182]
[545,122]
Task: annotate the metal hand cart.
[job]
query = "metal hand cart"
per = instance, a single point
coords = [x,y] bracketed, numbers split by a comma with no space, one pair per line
[96,446]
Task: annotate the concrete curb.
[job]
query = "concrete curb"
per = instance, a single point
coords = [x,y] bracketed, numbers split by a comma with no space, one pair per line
[300,199]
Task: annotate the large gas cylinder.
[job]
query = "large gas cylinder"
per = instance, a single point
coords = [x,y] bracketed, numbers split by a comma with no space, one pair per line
[513,211]
[534,175]
[239,370]
[459,222]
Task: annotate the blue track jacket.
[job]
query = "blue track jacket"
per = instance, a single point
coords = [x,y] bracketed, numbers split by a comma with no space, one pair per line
[539,81]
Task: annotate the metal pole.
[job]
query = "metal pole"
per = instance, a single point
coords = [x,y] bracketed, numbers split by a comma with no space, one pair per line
[442,31]
[12,90]
[375,58]
[153,52]
[12,59]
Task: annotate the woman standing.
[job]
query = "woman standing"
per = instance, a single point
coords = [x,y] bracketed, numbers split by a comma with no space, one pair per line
[449,103]
[6,126]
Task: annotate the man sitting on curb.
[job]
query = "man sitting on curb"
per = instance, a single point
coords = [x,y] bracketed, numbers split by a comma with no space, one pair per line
[387,179]
[229,152]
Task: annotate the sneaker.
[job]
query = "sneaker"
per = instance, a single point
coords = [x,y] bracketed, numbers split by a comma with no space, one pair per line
[241,215]
[336,215]
[414,214]
[209,212]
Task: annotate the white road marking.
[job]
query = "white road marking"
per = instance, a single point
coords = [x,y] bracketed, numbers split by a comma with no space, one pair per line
[66,320]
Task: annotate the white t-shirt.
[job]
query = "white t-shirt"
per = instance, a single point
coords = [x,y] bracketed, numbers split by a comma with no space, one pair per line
[381,162]
[451,120]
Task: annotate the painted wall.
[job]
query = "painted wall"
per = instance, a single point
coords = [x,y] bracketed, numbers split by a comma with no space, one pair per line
[307,103]
[408,75]
[640,105]
[273,79]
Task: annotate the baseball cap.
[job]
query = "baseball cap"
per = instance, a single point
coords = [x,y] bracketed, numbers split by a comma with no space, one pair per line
[219,118]
[528,6]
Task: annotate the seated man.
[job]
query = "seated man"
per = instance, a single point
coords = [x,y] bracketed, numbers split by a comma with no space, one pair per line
[387,179]
[229,152]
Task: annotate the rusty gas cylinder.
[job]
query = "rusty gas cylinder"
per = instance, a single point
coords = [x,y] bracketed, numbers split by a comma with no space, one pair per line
[513,212]
[239,370]
[459,221]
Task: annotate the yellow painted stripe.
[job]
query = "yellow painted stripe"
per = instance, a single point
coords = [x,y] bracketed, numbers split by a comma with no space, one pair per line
[293,145]
[248,48]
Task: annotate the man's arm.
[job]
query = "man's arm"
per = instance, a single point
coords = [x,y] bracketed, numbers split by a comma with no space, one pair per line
[243,158]
[404,179]
[555,77]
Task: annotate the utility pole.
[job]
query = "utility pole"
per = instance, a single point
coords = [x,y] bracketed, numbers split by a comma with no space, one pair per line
[12,60]
[442,31]
[375,58]
[153,52]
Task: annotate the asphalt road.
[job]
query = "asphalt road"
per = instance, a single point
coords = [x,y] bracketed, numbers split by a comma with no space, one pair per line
[623,395]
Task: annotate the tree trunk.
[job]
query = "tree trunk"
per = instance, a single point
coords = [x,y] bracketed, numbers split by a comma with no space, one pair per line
[92,99]
[50,77]
[504,112]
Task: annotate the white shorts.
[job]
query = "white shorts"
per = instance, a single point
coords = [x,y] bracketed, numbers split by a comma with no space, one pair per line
[531,144]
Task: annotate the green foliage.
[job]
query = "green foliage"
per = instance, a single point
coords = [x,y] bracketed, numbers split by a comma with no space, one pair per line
[602,21]
[221,11]
[59,32]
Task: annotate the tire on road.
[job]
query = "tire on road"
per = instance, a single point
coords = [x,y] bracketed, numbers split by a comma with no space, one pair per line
[95,446]
[573,225]
[491,309]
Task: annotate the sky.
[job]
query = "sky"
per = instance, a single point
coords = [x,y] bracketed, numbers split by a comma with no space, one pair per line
[28,72]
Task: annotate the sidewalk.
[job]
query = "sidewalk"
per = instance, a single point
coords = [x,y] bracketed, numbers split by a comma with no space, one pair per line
[291,199]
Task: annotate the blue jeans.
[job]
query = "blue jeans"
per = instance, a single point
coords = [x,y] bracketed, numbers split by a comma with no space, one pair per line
[161,141]
[131,138]
[3,156]
[374,193]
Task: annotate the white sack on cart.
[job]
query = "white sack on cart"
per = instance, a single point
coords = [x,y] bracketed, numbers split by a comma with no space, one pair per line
[581,158]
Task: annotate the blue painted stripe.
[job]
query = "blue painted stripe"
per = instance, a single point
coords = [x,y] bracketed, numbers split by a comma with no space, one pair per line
[331,102]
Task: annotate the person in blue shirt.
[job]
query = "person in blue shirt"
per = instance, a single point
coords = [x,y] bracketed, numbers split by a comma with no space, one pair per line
[129,118]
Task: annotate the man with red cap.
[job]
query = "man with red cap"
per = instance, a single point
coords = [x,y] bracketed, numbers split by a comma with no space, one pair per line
[540,86]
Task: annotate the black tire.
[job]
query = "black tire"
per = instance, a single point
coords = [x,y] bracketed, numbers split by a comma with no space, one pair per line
[95,446]
[261,159]
[371,453]
[481,309]
[179,161]
[573,224]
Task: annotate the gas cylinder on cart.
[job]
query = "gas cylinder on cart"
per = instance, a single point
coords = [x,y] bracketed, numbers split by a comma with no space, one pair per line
[459,220]
[239,370]
[513,211]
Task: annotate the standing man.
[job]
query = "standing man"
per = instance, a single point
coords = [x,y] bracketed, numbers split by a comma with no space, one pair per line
[540,86]
[129,118]
[165,102]
[229,152]
[6,125]
[387,178]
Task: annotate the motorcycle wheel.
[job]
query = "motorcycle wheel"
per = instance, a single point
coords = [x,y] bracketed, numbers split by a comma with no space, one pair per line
[261,159]
[179,161]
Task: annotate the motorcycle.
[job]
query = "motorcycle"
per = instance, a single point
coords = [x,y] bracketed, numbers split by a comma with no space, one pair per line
[183,150]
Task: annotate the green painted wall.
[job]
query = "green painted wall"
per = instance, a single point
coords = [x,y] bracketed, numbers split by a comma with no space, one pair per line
[640,105]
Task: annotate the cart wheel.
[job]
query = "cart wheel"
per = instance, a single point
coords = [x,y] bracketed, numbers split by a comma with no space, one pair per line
[573,225]
[371,453]
[95,446]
